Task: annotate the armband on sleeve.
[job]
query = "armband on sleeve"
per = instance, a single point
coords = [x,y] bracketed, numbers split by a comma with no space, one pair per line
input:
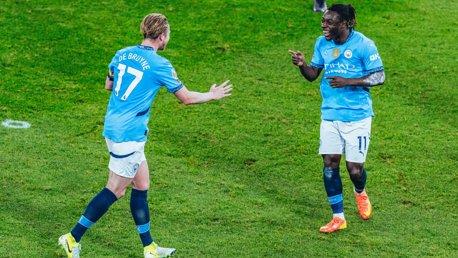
[110,75]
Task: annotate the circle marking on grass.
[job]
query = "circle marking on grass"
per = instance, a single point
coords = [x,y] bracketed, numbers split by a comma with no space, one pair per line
[15,124]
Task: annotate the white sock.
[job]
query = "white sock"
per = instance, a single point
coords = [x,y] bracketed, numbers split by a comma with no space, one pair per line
[339,215]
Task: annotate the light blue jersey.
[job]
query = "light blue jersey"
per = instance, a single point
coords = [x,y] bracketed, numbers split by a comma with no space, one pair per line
[138,73]
[356,58]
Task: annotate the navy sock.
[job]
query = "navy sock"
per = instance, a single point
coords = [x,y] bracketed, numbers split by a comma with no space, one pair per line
[333,185]
[140,212]
[94,211]
[360,183]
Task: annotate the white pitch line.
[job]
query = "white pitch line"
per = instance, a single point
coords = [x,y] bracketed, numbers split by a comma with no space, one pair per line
[11,124]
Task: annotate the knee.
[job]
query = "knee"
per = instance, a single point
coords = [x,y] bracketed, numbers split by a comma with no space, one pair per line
[355,171]
[331,162]
[142,186]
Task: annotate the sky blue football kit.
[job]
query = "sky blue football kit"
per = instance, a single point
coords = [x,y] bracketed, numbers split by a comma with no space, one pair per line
[346,112]
[356,58]
[138,73]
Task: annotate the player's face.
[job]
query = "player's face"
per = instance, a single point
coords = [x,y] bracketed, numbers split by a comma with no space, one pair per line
[331,25]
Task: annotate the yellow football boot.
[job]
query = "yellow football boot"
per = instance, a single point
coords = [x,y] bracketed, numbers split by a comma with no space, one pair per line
[70,245]
[155,251]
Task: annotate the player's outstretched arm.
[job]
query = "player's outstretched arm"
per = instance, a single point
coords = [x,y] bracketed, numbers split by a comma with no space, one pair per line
[373,79]
[215,93]
[309,72]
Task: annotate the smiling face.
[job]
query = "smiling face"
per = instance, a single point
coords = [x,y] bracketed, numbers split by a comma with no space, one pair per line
[332,26]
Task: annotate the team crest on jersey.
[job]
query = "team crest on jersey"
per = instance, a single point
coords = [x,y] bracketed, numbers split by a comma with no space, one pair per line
[174,74]
[348,53]
[335,54]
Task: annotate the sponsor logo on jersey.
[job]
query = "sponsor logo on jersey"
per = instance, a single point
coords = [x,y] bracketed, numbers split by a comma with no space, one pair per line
[374,57]
[348,53]
[338,68]
[174,74]
[335,54]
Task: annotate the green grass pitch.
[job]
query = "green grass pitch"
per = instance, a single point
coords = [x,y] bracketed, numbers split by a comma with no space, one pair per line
[238,177]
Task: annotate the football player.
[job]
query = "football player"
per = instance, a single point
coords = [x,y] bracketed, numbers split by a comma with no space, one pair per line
[352,65]
[135,75]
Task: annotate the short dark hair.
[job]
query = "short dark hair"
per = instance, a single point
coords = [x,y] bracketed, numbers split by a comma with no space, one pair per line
[346,12]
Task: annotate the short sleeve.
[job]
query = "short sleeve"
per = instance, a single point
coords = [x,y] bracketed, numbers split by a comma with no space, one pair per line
[371,58]
[317,59]
[168,77]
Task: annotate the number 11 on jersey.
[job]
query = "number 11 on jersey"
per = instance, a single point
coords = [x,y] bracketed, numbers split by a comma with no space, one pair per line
[138,77]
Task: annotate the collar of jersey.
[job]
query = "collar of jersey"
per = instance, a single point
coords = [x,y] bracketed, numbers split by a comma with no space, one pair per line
[148,48]
[352,31]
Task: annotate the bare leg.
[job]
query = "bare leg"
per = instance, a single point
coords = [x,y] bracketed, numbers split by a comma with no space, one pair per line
[141,179]
[118,184]
[331,160]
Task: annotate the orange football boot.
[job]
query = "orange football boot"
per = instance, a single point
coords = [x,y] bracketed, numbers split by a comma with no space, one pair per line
[335,224]
[364,205]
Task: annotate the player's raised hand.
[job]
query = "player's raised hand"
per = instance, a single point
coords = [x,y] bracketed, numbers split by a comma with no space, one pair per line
[298,58]
[221,91]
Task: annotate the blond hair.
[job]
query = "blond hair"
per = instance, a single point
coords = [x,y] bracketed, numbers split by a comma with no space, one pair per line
[153,25]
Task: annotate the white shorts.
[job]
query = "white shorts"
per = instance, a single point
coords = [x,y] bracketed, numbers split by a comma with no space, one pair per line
[125,157]
[351,138]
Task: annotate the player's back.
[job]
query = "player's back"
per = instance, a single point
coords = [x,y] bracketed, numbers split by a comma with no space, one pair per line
[138,73]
